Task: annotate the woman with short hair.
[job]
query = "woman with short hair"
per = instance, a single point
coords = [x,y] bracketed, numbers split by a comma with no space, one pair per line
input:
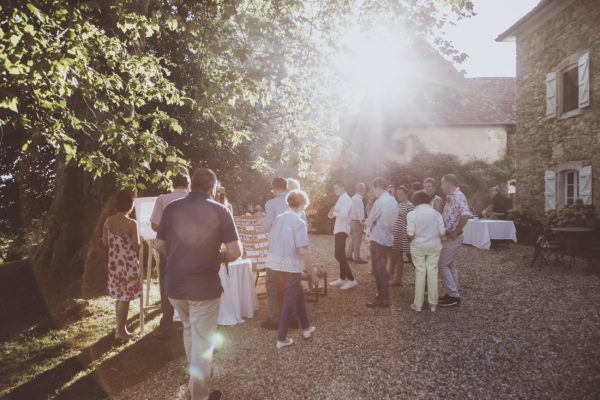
[425,226]
[288,254]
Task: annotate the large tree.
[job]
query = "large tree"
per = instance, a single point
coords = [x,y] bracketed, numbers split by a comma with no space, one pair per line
[124,93]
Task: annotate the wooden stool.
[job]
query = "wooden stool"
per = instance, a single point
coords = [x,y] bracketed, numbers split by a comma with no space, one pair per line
[313,290]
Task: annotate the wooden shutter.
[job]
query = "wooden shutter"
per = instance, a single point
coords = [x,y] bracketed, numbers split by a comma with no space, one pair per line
[584,80]
[550,190]
[585,184]
[551,95]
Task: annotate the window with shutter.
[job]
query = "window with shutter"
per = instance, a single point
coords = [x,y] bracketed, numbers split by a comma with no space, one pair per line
[568,89]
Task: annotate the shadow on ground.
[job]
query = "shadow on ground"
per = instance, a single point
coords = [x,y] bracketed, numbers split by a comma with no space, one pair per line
[128,366]
[22,304]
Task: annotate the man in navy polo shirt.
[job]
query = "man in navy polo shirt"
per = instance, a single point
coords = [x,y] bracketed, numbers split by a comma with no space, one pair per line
[191,233]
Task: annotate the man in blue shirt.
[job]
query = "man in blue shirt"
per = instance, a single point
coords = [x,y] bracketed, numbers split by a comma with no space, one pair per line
[381,223]
[274,207]
[181,185]
[277,205]
[191,233]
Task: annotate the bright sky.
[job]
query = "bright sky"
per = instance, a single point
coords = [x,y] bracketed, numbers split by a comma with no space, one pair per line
[476,37]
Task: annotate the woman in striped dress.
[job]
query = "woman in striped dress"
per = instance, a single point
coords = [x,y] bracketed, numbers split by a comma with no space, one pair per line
[401,245]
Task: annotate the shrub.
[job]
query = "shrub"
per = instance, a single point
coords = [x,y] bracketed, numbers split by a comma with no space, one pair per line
[527,226]
[576,214]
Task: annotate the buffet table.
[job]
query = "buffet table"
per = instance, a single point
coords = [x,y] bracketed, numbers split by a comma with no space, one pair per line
[239,299]
[480,232]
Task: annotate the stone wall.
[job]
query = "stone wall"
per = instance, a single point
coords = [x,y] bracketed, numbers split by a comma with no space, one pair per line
[543,143]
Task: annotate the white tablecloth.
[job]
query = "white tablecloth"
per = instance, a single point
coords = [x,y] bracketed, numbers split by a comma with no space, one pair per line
[479,233]
[239,294]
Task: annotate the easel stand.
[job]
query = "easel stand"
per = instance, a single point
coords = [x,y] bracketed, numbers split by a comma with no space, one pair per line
[152,254]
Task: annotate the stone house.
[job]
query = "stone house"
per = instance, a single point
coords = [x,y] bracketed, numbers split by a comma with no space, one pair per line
[557,135]
[436,110]
[469,123]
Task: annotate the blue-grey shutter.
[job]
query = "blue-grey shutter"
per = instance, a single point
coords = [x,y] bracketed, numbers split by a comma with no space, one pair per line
[585,184]
[550,190]
[551,95]
[583,69]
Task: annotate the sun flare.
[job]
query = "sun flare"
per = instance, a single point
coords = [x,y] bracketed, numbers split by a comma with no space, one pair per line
[374,63]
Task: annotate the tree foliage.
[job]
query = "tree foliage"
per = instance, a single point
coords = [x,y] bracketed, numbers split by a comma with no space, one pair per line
[74,81]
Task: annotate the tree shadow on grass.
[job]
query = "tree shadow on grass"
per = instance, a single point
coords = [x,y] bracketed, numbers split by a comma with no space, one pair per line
[21,301]
[129,366]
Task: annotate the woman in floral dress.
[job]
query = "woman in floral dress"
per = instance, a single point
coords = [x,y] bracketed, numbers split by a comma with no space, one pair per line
[120,238]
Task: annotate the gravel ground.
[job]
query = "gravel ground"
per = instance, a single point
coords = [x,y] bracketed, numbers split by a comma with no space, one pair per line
[518,333]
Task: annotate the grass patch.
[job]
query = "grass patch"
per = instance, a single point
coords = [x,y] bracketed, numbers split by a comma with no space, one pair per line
[31,345]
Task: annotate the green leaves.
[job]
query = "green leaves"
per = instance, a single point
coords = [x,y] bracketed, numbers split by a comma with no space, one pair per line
[90,95]
[35,11]
[10,103]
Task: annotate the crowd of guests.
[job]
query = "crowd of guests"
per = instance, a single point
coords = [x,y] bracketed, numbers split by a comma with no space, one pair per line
[425,231]
[196,233]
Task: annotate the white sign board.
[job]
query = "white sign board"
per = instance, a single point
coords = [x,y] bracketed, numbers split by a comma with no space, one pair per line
[143,212]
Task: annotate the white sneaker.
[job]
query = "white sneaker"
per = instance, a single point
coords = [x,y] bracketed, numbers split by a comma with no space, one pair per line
[338,282]
[349,285]
[288,342]
[415,308]
[432,308]
[307,333]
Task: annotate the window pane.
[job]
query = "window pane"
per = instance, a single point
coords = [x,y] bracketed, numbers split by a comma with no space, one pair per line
[570,190]
[570,186]
[570,90]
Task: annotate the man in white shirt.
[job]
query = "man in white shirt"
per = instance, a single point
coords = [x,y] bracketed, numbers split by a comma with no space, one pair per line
[341,213]
[357,219]
[381,223]
[181,187]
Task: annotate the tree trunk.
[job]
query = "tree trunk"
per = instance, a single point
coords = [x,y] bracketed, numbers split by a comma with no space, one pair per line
[69,262]
[70,251]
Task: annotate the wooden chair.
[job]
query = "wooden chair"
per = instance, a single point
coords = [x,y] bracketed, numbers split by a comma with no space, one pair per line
[255,243]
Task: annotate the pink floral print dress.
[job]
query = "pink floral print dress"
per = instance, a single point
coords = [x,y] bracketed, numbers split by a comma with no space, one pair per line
[124,275]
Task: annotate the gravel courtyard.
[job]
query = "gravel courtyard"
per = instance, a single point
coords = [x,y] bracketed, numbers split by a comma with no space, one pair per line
[519,332]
